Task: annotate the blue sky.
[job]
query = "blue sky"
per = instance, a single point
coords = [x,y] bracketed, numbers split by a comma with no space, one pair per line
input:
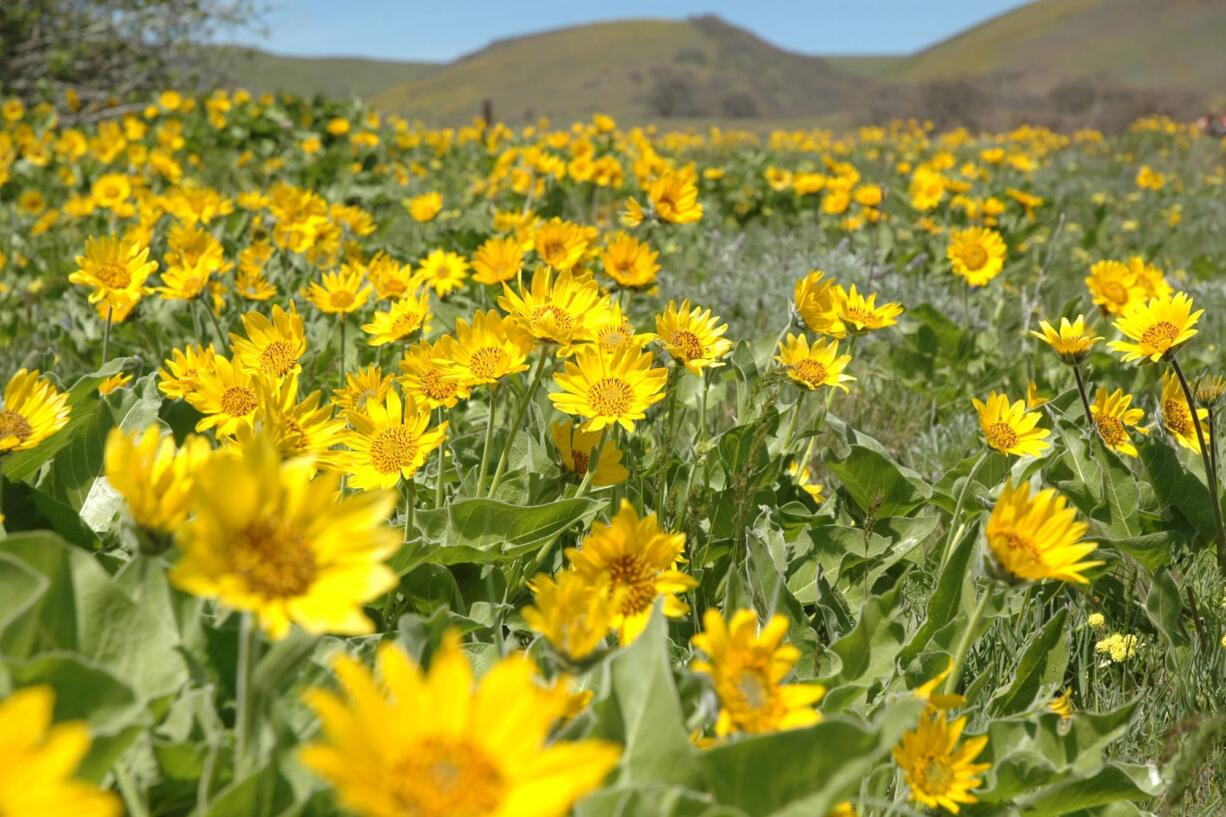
[439,30]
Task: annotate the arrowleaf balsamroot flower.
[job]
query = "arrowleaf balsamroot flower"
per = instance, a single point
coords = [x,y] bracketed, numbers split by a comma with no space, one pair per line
[558,310]
[576,447]
[498,260]
[405,316]
[630,262]
[813,297]
[1114,287]
[674,198]
[608,388]
[180,377]
[857,313]
[573,614]
[442,271]
[560,244]
[639,560]
[693,337]
[1177,415]
[33,410]
[747,667]
[227,396]
[424,377]
[389,442]
[814,366]
[939,772]
[1072,342]
[433,744]
[153,476]
[1009,428]
[369,384]
[1157,327]
[272,347]
[485,351]
[117,270]
[1113,416]
[976,254]
[1037,537]
[268,539]
[339,293]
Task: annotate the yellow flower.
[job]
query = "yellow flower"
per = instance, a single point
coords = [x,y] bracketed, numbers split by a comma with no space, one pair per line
[1062,704]
[803,478]
[814,300]
[338,126]
[1096,621]
[977,254]
[390,278]
[272,347]
[425,207]
[1113,416]
[182,284]
[939,772]
[226,396]
[366,385]
[639,561]
[747,667]
[33,410]
[1150,179]
[1149,279]
[557,311]
[40,759]
[442,271]
[693,337]
[111,190]
[575,449]
[424,377]
[814,366]
[266,538]
[1010,429]
[572,614]
[1072,342]
[609,388]
[307,429]
[633,215]
[1038,537]
[405,317]
[612,331]
[1157,327]
[855,313]
[560,244]
[432,745]
[114,383]
[485,351]
[1177,415]
[389,442]
[340,292]
[1113,286]
[630,262]
[180,377]
[929,691]
[674,198]
[117,271]
[153,476]
[1033,399]
[498,260]
[1119,647]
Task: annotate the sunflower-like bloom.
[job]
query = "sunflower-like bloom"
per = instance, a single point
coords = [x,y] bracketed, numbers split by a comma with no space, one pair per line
[612,331]
[339,293]
[114,383]
[498,260]
[813,296]
[1009,428]
[442,271]
[33,410]
[485,351]
[855,313]
[560,244]
[1072,342]
[180,376]
[813,366]
[558,310]
[40,759]
[747,667]
[267,538]
[389,442]
[1033,398]
[425,207]
[430,744]
[1177,415]
[674,198]
[390,278]
[406,316]
[803,477]
[930,691]
[608,389]
[117,269]
[1062,704]
[639,561]
[1114,287]
[976,254]
[1149,278]
[182,283]
[693,337]
[227,396]
[307,428]
[368,384]
[1033,538]
[153,476]
[424,377]
[1113,416]
[939,772]
[572,614]
[272,347]
[630,262]
[575,448]
[1157,328]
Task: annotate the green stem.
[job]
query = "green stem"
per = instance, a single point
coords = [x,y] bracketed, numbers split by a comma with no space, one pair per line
[700,454]
[410,495]
[1210,475]
[342,355]
[244,720]
[106,335]
[955,524]
[591,469]
[439,457]
[133,798]
[665,443]
[1085,397]
[1213,443]
[972,624]
[489,440]
[518,418]
[791,429]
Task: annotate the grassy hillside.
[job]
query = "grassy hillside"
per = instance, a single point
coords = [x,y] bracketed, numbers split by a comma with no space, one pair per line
[635,70]
[1159,44]
[334,77]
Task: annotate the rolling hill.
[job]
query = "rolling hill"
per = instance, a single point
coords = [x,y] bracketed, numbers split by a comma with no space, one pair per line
[334,77]
[636,70]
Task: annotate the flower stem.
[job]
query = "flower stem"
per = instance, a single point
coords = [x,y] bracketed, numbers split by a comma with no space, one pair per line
[972,624]
[342,355]
[106,335]
[244,719]
[1085,397]
[517,419]
[133,799]
[1210,473]
[410,495]
[439,457]
[489,439]
[591,468]
[700,457]
[955,525]
[791,429]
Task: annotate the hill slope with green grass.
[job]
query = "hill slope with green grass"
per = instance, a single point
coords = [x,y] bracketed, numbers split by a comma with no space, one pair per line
[332,77]
[635,70]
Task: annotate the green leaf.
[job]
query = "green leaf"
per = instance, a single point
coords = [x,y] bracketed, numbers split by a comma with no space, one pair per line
[878,485]
[1120,494]
[20,588]
[1152,549]
[1110,784]
[1042,664]
[650,800]
[1176,487]
[946,600]
[867,653]
[1164,606]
